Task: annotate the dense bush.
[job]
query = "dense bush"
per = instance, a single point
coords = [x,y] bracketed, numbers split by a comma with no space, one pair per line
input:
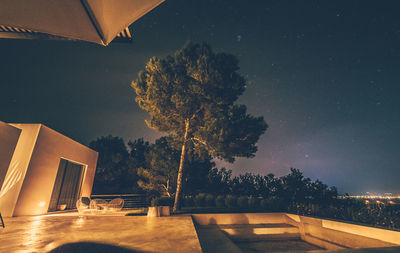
[254,203]
[265,204]
[230,201]
[220,201]
[188,201]
[200,199]
[161,201]
[154,202]
[242,202]
[210,200]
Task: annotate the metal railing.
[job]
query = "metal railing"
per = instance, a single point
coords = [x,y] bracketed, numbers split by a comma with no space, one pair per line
[131,200]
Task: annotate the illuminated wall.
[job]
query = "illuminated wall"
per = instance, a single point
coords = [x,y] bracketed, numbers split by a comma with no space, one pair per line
[8,141]
[33,169]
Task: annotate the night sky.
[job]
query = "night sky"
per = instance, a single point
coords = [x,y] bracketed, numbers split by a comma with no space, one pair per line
[324,74]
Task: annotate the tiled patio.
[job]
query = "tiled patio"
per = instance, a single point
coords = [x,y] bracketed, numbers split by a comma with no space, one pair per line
[139,233]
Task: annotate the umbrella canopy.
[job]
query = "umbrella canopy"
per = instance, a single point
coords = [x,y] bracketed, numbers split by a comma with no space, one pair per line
[98,21]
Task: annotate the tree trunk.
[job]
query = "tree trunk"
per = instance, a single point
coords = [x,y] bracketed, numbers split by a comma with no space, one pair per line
[177,205]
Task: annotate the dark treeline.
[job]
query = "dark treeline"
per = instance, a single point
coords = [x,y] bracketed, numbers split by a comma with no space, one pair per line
[151,168]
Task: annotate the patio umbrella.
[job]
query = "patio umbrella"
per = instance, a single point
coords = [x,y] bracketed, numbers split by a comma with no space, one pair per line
[98,21]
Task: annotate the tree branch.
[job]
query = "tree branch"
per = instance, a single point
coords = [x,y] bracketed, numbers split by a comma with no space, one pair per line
[166,190]
[199,140]
[195,114]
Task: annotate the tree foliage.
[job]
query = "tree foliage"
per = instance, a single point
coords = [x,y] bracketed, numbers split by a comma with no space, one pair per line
[219,181]
[290,189]
[151,168]
[113,173]
[201,87]
[138,151]
[192,96]
[198,166]
[158,176]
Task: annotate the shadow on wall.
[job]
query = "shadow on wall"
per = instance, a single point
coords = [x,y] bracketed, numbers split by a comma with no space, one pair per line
[212,221]
[238,219]
[81,247]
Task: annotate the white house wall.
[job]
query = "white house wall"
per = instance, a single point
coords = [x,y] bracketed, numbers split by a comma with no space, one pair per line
[30,176]
[9,136]
[39,181]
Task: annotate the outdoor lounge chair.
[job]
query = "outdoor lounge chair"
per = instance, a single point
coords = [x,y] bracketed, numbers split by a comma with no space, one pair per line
[116,204]
[83,205]
[98,206]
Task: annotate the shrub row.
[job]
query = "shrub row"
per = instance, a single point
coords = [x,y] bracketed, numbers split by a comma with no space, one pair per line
[231,202]
[162,201]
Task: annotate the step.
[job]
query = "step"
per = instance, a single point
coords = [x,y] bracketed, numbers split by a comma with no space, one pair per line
[274,231]
[214,240]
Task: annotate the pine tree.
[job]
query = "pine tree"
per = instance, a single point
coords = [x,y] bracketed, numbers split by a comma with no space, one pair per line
[192,96]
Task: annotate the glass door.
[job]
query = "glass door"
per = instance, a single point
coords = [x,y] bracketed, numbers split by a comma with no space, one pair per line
[67,186]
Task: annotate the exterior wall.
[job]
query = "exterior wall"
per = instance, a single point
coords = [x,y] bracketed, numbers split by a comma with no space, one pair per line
[239,218]
[37,188]
[338,235]
[8,141]
[16,172]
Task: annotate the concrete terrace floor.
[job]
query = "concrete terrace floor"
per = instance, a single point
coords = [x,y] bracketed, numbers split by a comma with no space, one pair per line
[132,233]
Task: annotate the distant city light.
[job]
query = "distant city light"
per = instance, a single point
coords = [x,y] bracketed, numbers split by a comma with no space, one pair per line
[375,196]
[378,199]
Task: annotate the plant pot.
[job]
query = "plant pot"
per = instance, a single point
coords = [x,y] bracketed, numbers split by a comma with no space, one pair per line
[154,211]
[165,211]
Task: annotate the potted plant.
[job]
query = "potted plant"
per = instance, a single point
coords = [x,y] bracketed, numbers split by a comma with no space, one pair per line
[164,204]
[159,207]
[154,210]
